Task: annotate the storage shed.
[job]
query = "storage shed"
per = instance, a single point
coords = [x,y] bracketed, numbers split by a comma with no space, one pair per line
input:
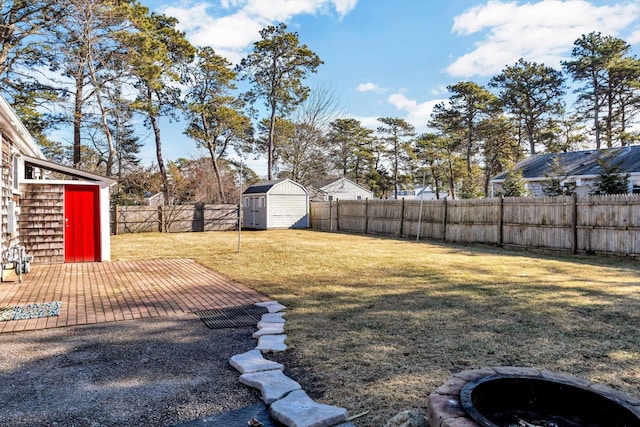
[58,213]
[275,204]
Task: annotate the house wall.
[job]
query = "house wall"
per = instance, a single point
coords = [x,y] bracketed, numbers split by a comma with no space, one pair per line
[344,190]
[41,222]
[6,179]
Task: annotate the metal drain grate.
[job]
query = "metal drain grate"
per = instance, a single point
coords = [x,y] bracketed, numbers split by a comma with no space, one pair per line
[232,317]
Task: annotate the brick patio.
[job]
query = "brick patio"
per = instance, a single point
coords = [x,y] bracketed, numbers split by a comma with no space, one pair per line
[121,290]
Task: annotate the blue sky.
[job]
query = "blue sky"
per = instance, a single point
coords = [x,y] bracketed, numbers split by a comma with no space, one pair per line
[394,58]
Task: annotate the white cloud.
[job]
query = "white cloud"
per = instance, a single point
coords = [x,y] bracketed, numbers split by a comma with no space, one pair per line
[440,90]
[418,114]
[369,122]
[369,87]
[543,31]
[234,31]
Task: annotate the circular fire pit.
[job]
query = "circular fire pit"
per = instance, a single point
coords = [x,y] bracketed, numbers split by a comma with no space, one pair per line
[526,397]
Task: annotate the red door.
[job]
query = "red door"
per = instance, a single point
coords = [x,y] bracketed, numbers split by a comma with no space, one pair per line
[81,223]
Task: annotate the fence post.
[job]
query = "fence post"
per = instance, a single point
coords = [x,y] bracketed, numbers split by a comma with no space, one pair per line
[574,223]
[116,213]
[330,216]
[160,218]
[500,219]
[444,222]
[401,218]
[337,215]
[366,216]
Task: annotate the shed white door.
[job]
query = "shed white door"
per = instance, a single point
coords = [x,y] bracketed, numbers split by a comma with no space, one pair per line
[255,214]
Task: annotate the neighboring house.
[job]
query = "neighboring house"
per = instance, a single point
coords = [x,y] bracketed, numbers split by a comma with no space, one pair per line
[58,213]
[579,167]
[426,193]
[156,199]
[324,190]
[275,204]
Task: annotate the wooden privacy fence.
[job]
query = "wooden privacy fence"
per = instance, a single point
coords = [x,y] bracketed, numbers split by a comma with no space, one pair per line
[592,224]
[173,219]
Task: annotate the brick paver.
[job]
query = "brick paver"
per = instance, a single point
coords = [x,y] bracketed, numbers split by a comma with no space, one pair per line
[121,290]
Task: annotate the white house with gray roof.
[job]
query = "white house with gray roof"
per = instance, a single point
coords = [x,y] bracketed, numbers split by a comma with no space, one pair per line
[579,167]
[325,190]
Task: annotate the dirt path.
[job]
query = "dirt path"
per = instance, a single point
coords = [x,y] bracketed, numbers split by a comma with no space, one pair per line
[145,372]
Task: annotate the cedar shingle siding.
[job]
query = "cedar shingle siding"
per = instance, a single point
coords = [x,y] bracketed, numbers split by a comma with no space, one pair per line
[42,222]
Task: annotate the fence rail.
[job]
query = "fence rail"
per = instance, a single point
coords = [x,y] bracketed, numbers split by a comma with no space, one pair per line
[591,224]
[173,219]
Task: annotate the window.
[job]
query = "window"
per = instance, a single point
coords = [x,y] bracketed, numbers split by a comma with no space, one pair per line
[358,197]
[331,198]
[636,186]
[261,202]
[246,202]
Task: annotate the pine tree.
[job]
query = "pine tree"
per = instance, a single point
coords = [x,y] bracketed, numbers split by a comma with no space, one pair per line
[514,185]
[610,180]
[557,184]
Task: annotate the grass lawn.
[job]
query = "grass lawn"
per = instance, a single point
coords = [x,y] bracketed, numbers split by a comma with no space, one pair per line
[377,324]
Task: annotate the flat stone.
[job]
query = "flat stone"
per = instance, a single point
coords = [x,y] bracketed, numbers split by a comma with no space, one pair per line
[475,374]
[442,408]
[262,324]
[273,385]
[272,318]
[268,329]
[452,386]
[252,361]
[515,370]
[298,410]
[272,343]
[272,306]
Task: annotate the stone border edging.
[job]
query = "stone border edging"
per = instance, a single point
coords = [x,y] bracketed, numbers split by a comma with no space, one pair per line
[287,402]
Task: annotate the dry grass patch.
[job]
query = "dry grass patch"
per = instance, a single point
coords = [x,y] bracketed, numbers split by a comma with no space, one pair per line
[377,324]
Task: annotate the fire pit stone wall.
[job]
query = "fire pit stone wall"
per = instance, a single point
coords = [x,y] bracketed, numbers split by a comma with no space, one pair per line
[445,408]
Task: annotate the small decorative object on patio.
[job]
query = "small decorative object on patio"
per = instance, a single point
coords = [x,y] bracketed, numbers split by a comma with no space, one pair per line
[30,311]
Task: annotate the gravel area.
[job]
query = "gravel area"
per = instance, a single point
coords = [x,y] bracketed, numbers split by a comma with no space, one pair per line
[148,372]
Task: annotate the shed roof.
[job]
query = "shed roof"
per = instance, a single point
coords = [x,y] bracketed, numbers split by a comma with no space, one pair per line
[67,170]
[578,163]
[266,186]
[262,187]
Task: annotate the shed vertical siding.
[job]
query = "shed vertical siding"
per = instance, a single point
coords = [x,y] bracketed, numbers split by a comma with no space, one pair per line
[288,211]
[287,188]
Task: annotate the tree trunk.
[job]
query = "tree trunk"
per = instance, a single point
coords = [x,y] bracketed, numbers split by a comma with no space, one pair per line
[163,171]
[216,170]
[77,115]
[270,149]
[596,109]
[395,167]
